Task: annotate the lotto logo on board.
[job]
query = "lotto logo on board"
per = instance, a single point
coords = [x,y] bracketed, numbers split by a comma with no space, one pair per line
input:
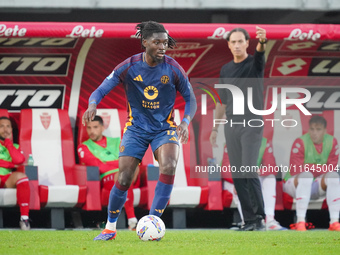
[309,46]
[34,64]
[305,66]
[25,42]
[17,97]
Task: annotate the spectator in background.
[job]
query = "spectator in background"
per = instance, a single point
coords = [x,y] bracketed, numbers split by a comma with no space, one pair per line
[103,152]
[313,173]
[10,157]
[266,163]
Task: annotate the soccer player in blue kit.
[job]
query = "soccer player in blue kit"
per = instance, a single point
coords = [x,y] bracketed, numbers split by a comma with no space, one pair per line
[151,80]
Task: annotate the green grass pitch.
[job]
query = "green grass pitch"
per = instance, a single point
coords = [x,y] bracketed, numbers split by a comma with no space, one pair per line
[175,242]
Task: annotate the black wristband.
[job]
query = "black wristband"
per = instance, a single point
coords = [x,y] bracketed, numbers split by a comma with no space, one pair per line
[264,42]
[214,130]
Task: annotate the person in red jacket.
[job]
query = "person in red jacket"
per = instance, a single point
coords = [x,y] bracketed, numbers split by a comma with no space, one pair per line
[10,157]
[314,172]
[103,151]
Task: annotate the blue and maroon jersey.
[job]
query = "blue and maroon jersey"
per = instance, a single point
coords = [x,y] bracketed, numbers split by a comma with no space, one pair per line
[150,91]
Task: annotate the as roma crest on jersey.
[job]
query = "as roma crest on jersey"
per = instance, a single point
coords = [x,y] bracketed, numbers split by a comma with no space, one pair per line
[106,119]
[122,148]
[165,79]
[45,120]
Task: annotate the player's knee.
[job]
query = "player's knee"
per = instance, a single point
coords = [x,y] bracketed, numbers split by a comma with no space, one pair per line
[270,177]
[19,175]
[125,178]
[169,167]
[305,178]
[269,180]
[306,175]
[332,178]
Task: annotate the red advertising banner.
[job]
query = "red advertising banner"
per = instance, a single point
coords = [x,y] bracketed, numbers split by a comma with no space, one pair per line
[200,31]
[58,65]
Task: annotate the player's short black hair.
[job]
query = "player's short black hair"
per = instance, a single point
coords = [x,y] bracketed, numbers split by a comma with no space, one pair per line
[99,119]
[239,29]
[147,28]
[318,119]
[4,118]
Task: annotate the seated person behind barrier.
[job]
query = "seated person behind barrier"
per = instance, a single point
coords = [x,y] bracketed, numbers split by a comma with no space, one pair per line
[313,173]
[103,151]
[10,156]
[267,172]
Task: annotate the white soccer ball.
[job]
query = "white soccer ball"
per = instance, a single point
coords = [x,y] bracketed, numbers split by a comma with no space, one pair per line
[150,228]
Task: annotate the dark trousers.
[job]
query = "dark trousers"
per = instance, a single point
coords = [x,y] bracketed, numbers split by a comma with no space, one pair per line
[243,144]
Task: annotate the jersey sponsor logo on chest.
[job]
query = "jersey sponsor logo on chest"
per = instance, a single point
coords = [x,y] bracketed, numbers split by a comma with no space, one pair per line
[151,93]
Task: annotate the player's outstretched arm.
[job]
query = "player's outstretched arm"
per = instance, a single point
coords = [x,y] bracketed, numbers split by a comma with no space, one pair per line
[107,85]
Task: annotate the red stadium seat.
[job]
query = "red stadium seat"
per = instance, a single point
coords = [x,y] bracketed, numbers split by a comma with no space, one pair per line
[114,123]
[4,113]
[47,135]
[220,191]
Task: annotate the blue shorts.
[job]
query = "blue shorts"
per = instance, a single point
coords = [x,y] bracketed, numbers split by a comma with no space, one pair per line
[135,144]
